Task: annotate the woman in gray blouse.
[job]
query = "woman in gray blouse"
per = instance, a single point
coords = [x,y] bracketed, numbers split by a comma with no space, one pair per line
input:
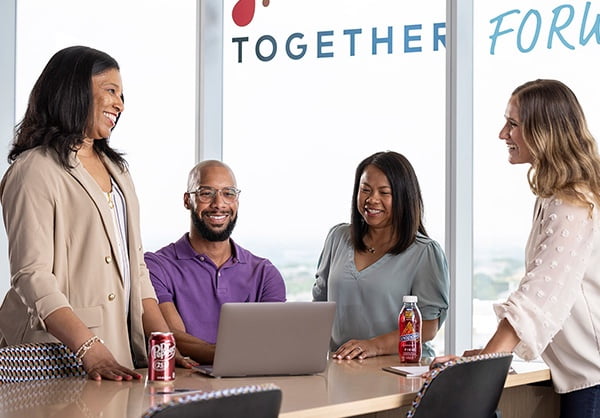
[367,266]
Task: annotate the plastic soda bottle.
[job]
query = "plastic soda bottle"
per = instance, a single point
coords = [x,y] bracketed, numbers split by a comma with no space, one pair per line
[409,328]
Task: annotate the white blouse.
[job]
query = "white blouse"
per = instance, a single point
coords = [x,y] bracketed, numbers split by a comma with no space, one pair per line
[117,204]
[556,309]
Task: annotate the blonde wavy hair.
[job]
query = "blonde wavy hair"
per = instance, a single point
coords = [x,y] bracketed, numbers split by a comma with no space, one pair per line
[565,163]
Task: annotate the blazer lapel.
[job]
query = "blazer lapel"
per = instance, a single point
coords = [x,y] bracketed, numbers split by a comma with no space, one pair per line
[99,198]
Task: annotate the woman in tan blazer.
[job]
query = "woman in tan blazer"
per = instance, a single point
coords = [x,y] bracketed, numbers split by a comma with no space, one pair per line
[72,218]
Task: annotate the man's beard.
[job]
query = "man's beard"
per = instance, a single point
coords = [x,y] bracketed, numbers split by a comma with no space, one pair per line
[209,234]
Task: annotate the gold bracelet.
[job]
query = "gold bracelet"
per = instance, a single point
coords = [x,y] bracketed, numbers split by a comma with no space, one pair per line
[82,351]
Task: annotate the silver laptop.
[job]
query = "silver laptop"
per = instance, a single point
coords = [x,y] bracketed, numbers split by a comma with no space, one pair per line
[272,338]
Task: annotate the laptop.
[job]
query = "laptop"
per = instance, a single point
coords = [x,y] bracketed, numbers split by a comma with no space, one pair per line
[272,338]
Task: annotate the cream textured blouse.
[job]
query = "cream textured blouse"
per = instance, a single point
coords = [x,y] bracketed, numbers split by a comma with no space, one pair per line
[556,309]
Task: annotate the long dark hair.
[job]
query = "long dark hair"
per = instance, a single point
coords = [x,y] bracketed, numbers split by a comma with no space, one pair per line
[60,103]
[407,203]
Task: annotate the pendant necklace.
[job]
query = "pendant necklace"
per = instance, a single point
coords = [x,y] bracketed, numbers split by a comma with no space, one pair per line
[109,199]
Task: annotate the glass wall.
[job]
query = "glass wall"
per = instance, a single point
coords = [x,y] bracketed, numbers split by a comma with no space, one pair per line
[154,42]
[518,41]
[310,89]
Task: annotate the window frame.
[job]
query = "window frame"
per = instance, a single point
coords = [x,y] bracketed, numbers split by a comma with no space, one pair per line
[209,136]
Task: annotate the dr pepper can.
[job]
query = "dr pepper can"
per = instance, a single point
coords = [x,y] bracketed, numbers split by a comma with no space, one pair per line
[161,357]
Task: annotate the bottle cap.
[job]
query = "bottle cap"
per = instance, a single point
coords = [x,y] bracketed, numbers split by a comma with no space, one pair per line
[410,299]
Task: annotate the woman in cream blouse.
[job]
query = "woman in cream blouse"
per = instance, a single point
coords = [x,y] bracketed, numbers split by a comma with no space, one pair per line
[555,312]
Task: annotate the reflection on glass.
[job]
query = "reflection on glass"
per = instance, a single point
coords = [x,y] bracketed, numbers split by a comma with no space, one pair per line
[21,396]
[71,397]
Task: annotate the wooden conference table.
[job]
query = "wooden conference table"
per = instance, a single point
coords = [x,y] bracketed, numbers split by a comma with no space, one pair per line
[345,388]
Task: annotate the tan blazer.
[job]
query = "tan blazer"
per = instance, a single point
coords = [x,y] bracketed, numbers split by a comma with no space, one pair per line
[62,251]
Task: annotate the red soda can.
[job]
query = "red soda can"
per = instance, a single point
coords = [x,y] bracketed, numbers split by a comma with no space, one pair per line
[161,357]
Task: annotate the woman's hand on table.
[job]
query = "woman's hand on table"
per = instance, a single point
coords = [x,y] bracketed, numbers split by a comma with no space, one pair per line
[438,361]
[473,352]
[356,349]
[184,361]
[100,364]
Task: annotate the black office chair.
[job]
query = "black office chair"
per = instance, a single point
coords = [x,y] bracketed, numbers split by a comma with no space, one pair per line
[261,401]
[469,387]
[38,361]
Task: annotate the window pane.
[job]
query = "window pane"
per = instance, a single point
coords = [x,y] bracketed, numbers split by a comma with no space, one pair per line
[157,130]
[310,89]
[526,43]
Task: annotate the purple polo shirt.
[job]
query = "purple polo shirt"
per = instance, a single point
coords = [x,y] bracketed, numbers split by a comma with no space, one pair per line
[198,288]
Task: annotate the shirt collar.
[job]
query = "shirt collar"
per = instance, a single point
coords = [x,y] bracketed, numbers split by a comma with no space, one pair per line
[185,251]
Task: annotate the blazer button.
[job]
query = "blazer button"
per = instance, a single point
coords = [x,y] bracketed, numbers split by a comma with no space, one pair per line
[108,259]
[111,297]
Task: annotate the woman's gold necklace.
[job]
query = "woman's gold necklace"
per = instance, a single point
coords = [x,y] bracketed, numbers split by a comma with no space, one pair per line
[371,250]
[111,204]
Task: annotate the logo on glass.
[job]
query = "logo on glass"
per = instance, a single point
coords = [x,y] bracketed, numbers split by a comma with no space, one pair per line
[243,11]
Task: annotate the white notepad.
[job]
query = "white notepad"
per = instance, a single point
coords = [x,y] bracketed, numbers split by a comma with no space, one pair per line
[408,371]
[517,366]
[522,366]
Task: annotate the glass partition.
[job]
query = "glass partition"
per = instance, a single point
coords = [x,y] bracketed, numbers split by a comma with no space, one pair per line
[155,45]
[310,89]
[518,41]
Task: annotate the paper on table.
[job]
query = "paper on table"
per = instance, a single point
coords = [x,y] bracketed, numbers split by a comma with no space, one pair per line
[520,366]
[517,366]
[408,371]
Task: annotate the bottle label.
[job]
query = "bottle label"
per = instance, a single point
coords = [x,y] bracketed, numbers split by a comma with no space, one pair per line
[408,315]
[409,337]
[409,342]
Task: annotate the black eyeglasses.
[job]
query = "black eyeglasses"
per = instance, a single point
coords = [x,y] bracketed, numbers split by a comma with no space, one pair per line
[207,194]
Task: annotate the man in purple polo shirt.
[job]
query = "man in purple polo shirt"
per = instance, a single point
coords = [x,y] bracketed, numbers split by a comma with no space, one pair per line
[205,268]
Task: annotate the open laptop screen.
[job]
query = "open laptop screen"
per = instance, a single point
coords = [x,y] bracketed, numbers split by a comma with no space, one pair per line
[273,338]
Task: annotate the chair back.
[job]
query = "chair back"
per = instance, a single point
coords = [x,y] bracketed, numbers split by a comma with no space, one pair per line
[468,387]
[261,401]
[37,361]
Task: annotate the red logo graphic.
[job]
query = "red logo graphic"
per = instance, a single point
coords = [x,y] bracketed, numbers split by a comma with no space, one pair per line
[243,11]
